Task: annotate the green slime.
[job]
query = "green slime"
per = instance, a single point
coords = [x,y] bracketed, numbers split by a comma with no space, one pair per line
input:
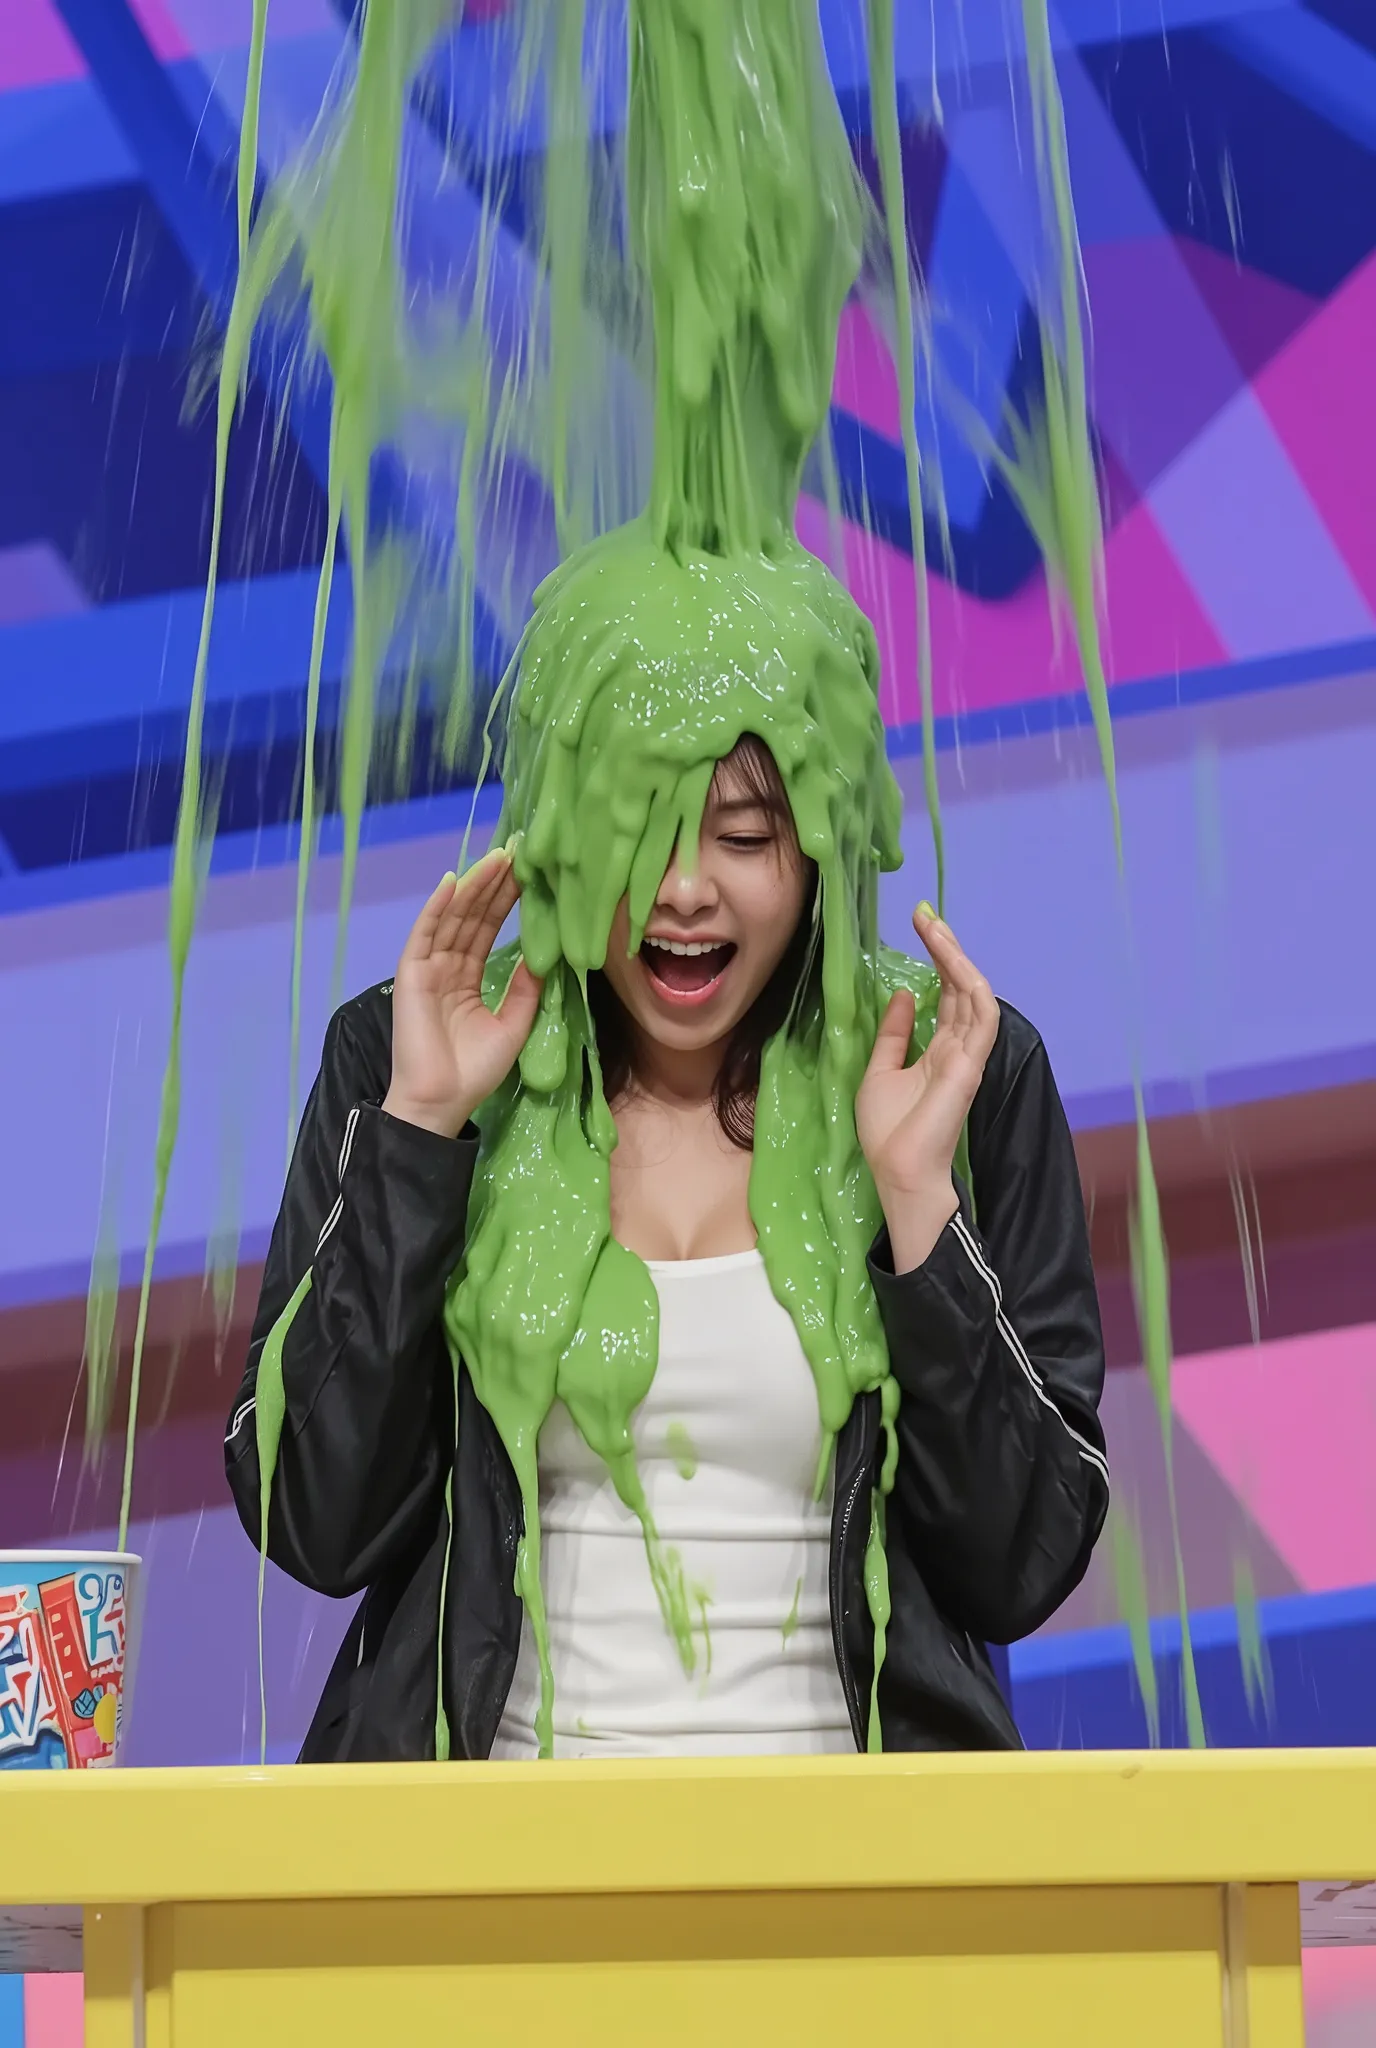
[1052,475]
[639,671]
[651,651]
[679,1445]
[884,120]
[790,1621]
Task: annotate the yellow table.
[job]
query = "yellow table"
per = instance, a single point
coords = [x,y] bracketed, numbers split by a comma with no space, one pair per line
[1123,1901]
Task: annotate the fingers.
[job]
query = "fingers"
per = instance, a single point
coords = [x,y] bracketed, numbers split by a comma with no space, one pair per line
[984,1028]
[941,942]
[894,1035]
[477,909]
[967,1003]
[518,1006]
[422,935]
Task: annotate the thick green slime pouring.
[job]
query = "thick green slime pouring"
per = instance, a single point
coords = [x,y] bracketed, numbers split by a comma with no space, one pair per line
[650,652]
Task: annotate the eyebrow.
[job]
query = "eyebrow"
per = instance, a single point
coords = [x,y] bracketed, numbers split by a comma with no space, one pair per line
[741,803]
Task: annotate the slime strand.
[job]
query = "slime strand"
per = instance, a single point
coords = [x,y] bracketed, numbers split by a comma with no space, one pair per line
[1257,1683]
[651,651]
[100,1348]
[247,168]
[790,1621]
[884,116]
[679,1445]
[564,253]
[250,293]
[306,844]
[269,1413]
[1061,501]
[1151,1287]
[1134,1601]
[186,857]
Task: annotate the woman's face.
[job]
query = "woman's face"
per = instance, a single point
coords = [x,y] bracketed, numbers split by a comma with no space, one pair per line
[713,937]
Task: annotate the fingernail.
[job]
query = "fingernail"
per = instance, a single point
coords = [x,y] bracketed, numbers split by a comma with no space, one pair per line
[924,909]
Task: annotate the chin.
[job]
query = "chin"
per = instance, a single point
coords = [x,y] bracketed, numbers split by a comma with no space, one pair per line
[687,1035]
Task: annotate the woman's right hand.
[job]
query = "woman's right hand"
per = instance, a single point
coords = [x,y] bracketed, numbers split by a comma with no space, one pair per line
[449,1051]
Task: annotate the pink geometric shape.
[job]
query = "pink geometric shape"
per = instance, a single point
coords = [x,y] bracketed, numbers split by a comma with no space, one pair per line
[1245,526]
[986,654]
[165,38]
[1161,367]
[53,2012]
[204,28]
[1339,1980]
[981,653]
[866,382]
[36,583]
[1291,1426]
[1321,399]
[1156,625]
[1256,314]
[35,48]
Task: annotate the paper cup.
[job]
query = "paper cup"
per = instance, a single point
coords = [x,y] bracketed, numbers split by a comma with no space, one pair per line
[68,1640]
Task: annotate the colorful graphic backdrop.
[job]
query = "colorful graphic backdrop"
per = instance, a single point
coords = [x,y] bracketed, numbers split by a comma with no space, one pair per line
[1224,161]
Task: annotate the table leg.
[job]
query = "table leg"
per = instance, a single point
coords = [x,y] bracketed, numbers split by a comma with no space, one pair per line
[112,1962]
[1263,1991]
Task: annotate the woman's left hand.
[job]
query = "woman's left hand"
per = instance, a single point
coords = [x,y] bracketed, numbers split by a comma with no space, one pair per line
[909,1118]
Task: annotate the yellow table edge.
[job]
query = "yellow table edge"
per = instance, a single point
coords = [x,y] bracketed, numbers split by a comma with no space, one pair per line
[418,1830]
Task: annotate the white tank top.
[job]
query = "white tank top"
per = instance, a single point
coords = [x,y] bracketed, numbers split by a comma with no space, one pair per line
[727,1441]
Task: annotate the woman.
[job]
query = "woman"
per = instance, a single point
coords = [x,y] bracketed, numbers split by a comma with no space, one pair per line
[701,1590]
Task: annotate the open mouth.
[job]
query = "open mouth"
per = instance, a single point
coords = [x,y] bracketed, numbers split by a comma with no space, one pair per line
[683,971]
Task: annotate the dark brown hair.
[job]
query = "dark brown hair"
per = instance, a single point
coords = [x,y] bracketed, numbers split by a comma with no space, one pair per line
[751,769]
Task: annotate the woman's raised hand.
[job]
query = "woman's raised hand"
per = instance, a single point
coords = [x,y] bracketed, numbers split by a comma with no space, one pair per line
[449,1051]
[909,1118]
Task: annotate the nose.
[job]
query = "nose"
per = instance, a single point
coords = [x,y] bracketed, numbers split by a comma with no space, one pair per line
[685,895]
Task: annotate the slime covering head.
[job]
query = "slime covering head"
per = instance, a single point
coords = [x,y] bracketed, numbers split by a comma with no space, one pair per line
[639,671]
[650,653]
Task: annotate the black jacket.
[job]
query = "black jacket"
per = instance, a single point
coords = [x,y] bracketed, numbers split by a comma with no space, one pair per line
[1001,1488]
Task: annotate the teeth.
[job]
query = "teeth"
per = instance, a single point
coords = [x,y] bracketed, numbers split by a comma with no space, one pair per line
[688,951]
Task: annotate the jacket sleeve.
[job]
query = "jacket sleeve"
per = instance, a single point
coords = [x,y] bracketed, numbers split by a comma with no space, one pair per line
[1002,1483]
[375,1210]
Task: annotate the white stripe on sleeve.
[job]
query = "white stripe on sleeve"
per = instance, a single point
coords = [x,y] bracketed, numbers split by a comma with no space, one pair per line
[1087,1451]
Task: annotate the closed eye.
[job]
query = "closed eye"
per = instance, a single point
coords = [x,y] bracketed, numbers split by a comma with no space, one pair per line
[746,842]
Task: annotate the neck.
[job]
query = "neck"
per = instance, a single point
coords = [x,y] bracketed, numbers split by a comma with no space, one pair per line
[675,1079]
